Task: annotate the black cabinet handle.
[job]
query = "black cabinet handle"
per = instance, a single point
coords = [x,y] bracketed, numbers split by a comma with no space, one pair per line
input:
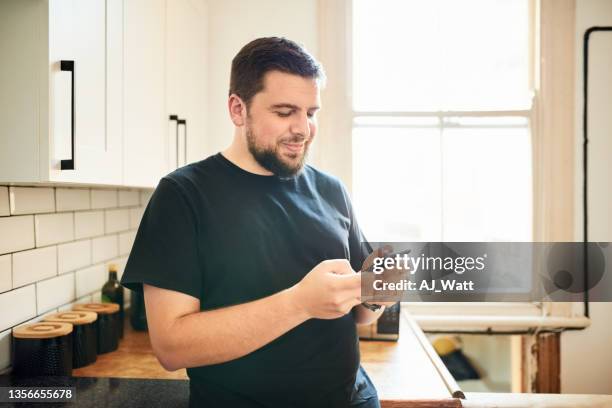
[182,122]
[69,164]
[176,119]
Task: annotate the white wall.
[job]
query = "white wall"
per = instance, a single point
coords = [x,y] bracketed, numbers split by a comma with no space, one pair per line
[232,24]
[586,359]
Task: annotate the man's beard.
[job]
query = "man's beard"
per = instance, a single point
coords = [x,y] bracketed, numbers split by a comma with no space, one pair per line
[270,158]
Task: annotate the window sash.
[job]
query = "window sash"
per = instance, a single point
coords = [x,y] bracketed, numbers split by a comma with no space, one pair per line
[546,16]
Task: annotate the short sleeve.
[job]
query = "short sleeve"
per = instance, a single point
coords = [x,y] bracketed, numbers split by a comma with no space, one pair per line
[165,250]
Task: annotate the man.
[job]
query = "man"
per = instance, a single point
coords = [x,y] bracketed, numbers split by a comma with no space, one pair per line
[244,256]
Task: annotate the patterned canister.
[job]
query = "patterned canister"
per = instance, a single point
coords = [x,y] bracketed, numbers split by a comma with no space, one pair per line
[84,335]
[107,324]
[43,348]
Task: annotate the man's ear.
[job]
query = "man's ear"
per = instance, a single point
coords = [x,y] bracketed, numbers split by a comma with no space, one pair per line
[237,109]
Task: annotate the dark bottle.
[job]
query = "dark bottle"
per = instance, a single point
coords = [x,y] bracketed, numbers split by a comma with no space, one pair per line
[112,292]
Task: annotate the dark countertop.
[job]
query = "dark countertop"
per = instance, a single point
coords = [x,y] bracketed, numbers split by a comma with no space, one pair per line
[108,392]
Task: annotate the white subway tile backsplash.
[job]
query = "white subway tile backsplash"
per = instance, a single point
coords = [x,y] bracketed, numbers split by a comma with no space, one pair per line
[54,228]
[145,196]
[22,306]
[4,201]
[48,312]
[5,349]
[34,265]
[84,299]
[73,255]
[6,282]
[69,306]
[55,247]
[97,297]
[88,224]
[104,248]
[17,233]
[128,198]
[103,199]
[72,199]
[135,216]
[116,220]
[90,279]
[126,240]
[31,200]
[37,318]
[54,292]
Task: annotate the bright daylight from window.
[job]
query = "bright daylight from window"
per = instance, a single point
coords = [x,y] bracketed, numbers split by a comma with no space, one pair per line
[441,138]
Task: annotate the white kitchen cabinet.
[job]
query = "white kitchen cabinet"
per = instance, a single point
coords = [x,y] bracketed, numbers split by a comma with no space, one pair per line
[185,81]
[91,84]
[165,92]
[145,129]
[59,120]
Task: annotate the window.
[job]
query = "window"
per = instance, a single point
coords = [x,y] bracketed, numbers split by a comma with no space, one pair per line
[455,131]
[441,141]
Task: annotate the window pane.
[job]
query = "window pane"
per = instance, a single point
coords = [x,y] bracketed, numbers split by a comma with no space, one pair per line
[396,183]
[417,55]
[456,184]
[486,184]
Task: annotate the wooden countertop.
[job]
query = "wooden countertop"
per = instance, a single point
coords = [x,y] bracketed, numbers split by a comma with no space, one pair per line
[402,371]
[133,359]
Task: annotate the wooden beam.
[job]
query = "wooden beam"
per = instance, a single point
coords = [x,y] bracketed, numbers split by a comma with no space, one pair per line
[548,376]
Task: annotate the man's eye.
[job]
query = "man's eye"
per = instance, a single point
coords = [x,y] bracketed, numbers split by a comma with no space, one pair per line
[283,114]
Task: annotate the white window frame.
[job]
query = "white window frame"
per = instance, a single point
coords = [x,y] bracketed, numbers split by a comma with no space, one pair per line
[553,146]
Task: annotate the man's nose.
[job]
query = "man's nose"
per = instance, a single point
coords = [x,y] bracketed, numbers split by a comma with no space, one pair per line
[301,126]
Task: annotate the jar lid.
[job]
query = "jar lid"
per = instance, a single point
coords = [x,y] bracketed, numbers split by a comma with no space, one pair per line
[42,330]
[75,317]
[99,308]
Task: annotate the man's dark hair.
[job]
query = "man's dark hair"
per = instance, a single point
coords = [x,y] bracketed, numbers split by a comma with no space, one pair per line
[266,54]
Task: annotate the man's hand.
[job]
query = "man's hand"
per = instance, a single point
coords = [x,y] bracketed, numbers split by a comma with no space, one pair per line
[381,252]
[362,314]
[330,290]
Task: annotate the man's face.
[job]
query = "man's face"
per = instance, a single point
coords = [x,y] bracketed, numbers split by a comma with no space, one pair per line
[281,122]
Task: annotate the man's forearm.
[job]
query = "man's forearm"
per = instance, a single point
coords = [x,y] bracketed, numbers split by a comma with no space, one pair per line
[221,335]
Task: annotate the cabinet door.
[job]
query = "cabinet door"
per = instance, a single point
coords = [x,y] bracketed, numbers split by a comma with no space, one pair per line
[78,33]
[186,79]
[145,120]
[21,68]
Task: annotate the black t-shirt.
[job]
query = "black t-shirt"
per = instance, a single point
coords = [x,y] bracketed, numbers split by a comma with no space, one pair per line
[226,236]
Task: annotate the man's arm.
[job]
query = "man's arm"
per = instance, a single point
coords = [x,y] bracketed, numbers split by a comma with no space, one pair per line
[183,336]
